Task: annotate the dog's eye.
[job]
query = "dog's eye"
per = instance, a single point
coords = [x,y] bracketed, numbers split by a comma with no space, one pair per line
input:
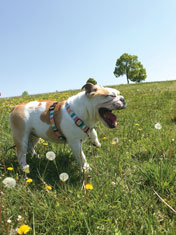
[110,96]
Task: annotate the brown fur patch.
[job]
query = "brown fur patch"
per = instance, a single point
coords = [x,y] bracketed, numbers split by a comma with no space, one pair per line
[17,121]
[102,91]
[45,117]
[99,91]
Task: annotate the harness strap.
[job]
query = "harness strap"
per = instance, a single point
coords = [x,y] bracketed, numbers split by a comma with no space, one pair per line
[77,120]
[51,110]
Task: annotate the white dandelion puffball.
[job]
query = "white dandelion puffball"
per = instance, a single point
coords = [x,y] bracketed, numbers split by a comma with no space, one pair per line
[50,155]
[9,182]
[63,177]
[158,126]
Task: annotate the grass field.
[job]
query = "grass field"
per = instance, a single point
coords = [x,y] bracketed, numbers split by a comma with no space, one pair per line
[127,177]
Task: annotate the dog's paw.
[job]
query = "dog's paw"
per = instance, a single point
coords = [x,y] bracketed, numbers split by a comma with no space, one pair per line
[97,144]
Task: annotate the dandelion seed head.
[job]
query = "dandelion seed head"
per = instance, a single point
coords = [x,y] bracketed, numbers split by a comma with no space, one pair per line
[158,126]
[63,177]
[50,155]
[9,221]
[9,182]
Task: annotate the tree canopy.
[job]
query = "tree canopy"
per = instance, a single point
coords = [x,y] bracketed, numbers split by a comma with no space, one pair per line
[130,66]
[92,80]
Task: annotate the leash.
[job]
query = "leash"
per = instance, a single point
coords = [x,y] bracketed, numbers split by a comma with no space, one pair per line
[77,120]
[56,131]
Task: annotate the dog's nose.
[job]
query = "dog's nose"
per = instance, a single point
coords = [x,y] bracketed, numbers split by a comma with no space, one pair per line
[123,101]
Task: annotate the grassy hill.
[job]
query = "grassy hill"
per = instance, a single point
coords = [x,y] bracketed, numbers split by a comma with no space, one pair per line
[127,177]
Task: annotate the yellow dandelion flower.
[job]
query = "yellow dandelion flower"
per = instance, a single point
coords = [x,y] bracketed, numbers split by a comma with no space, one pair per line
[139,129]
[45,144]
[48,187]
[137,124]
[113,143]
[41,141]
[10,168]
[29,180]
[23,229]
[89,186]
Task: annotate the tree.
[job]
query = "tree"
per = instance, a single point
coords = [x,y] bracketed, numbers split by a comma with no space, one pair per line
[25,93]
[92,80]
[130,66]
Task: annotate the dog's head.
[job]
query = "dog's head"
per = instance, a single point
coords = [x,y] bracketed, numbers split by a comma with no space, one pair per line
[105,100]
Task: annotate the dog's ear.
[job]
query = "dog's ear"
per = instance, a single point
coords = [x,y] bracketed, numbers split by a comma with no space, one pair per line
[89,87]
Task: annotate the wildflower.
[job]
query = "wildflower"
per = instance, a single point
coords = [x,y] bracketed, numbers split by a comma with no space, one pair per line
[115,140]
[113,183]
[63,177]
[26,169]
[10,168]
[23,229]
[48,187]
[9,182]
[89,186]
[19,218]
[29,180]
[139,129]
[9,221]
[105,138]
[41,141]
[46,144]
[137,124]
[50,155]
[86,167]
[158,126]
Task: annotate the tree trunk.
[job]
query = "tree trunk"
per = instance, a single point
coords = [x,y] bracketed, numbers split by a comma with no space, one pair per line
[127,78]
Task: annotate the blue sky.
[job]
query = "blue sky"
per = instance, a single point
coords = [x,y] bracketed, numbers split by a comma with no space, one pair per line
[58,44]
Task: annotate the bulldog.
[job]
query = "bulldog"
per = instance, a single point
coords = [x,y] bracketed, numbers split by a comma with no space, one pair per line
[71,121]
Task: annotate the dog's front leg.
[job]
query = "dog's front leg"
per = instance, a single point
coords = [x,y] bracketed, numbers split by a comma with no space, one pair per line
[76,147]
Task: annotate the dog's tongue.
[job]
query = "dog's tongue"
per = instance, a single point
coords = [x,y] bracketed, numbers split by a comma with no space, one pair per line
[111,117]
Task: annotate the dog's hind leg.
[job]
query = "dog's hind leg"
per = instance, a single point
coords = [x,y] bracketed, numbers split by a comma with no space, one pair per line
[31,144]
[20,135]
[22,151]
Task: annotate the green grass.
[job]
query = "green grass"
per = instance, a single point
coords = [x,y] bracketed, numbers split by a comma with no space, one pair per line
[124,175]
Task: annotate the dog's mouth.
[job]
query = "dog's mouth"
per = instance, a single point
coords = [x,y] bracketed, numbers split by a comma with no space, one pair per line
[108,117]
